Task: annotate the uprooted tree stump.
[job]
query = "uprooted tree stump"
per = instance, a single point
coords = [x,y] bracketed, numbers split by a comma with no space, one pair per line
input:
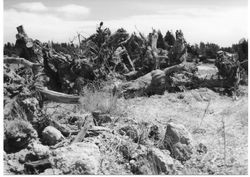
[154,82]
[33,55]
[49,94]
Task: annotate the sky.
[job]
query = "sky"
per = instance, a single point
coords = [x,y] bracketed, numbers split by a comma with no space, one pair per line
[223,22]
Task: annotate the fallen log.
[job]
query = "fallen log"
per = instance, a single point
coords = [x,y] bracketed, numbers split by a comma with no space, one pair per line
[26,63]
[58,96]
[94,131]
[175,68]
[157,81]
[151,83]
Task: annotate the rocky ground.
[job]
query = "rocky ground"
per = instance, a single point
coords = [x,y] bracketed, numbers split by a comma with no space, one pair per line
[192,132]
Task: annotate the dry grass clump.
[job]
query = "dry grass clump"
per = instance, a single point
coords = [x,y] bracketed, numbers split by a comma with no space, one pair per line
[97,99]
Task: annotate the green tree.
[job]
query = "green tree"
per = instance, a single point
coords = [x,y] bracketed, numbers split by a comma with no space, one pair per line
[211,50]
[160,41]
[169,38]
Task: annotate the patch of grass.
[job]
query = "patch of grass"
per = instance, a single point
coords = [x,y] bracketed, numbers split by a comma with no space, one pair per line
[96,99]
[99,100]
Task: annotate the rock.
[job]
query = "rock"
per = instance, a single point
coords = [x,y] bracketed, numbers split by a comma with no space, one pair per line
[51,171]
[178,133]
[18,134]
[15,166]
[162,161]
[12,164]
[178,141]
[129,131]
[51,135]
[78,158]
[39,150]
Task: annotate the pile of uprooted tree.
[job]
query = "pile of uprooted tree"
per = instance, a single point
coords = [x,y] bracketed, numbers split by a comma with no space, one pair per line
[138,61]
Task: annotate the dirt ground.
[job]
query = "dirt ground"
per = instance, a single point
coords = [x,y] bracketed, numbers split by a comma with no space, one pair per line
[203,112]
[207,115]
[216,121]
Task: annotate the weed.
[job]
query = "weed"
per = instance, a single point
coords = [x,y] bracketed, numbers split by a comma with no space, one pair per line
[95,99]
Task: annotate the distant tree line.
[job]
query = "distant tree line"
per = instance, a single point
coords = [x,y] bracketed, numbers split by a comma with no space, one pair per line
[9,49]
[202,50]
[67,48]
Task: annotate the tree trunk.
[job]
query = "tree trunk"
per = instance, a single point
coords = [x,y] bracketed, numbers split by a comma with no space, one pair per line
[157,81]
[149,83]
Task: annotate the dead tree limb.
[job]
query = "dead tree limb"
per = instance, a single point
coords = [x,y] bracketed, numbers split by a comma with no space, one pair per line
[26,63]
[58,96]
[37,166]
[87,125]
[174,68]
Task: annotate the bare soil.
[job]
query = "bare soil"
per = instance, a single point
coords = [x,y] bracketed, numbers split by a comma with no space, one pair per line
[216,121]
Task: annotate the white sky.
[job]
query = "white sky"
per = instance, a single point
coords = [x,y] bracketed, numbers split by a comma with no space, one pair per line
[219,21]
